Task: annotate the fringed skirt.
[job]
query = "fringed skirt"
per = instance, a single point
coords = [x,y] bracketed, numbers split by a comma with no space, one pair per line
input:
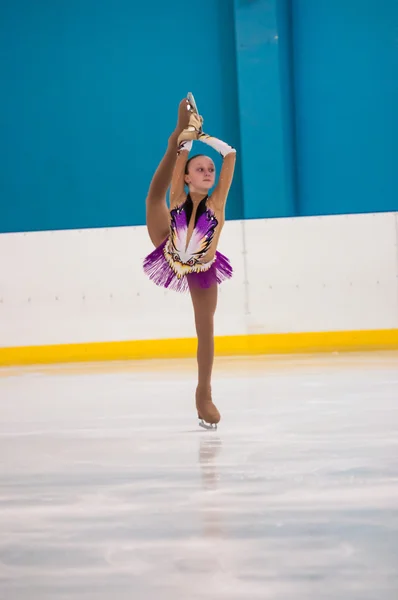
[161,272]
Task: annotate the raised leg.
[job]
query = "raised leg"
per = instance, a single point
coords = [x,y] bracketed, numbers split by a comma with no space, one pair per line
[157,213]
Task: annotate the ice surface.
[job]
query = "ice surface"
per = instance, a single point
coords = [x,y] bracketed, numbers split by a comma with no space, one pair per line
[110,490]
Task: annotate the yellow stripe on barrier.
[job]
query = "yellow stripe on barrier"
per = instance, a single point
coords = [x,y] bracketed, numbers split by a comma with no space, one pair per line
[289,343]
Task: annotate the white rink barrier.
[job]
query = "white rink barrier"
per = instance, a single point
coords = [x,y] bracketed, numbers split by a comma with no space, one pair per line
[316,274]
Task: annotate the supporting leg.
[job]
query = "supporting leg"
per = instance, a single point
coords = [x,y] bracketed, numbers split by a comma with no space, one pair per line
[205,304]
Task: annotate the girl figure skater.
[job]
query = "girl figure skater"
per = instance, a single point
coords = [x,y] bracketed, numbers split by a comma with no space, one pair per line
[186,235]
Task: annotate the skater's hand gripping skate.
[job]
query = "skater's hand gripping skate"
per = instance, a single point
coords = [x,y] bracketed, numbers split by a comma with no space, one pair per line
[193,130]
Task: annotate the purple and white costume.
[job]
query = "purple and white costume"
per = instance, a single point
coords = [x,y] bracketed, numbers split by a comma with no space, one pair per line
[178,263]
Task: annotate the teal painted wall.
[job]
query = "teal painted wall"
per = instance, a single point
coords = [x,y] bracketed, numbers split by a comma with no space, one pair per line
[346,105]
[263,38]
[306,90]
[90,95]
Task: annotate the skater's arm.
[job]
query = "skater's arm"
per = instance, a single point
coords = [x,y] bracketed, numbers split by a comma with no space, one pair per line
[177,188]
[228,154]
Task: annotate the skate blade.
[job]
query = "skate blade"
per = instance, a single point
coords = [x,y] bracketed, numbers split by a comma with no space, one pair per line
[192,102]
[208,426]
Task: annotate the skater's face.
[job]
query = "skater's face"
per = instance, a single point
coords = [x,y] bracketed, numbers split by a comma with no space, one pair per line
[201,174]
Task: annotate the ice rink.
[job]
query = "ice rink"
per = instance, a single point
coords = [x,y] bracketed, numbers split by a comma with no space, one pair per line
[111,491]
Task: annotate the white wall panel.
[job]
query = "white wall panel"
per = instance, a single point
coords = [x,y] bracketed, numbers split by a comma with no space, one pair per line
[79,286]
[322,273]
[306,274]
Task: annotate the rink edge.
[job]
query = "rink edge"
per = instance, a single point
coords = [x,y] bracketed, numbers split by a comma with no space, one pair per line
[237,345]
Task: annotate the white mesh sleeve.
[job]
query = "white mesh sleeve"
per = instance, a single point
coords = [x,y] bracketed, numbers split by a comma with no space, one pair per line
[217,144]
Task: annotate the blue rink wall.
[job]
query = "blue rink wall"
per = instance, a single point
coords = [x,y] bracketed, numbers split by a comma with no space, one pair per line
[305,89]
